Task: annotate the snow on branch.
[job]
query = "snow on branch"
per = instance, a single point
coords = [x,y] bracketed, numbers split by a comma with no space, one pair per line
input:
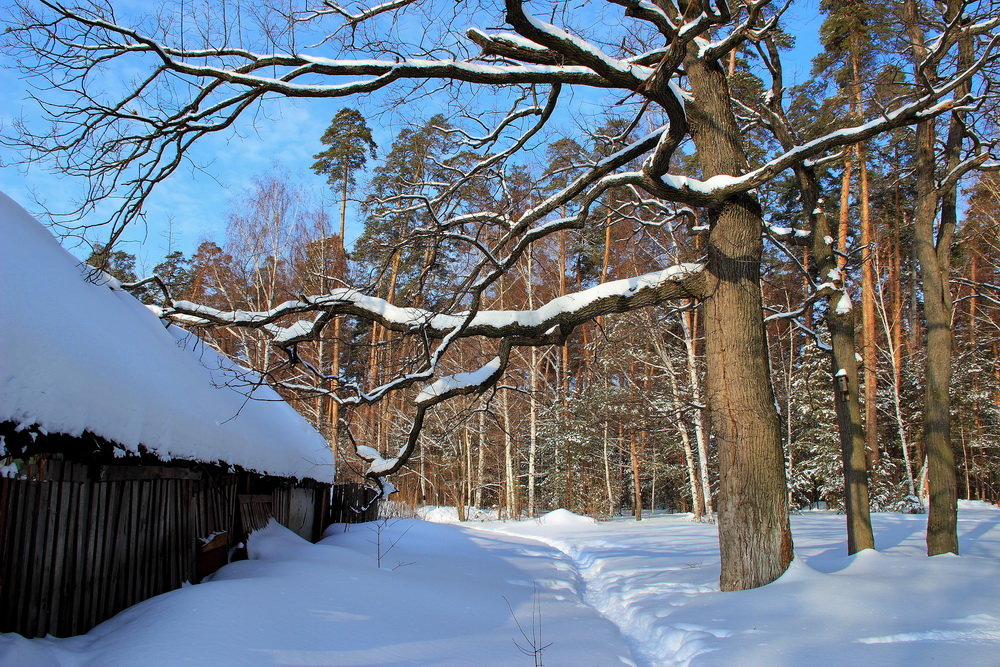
[359,15]
[675,282]
[460,383]
[751,29]
[717,188]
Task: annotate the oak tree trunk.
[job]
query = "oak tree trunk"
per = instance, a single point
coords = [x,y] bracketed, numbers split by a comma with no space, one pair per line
[933,250]
[754,535]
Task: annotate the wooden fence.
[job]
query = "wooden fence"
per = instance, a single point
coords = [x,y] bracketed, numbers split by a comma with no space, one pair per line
[74,551]
[352,503]
[80,542]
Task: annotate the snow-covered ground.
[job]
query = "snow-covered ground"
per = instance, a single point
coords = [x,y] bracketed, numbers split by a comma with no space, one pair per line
[617,592]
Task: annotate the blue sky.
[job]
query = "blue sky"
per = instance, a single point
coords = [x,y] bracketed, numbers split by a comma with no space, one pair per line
[192,204]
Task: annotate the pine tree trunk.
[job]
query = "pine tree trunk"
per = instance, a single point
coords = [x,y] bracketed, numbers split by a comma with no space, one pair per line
[890,328]
[942,519]
[896,336]
[971,332]
[789,414]
[843,224]
[995,352]
[564,351]
[532,399]
[341,250]
[868,349]
[335,371]
[532,431]
[843,371]
[481,459]
[754,535]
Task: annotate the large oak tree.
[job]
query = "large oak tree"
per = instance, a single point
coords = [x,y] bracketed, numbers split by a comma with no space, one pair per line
[665,60]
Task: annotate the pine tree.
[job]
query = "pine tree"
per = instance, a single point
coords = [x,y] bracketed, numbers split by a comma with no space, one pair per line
[390,213]
[350,144]
[116,263]
[850,34]
[176,273]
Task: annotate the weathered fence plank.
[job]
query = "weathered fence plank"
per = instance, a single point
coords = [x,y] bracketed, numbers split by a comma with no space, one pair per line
[79,543]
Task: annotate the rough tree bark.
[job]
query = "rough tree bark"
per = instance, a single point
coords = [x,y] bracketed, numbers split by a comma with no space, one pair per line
[932,246]
[942,518]
[754,534]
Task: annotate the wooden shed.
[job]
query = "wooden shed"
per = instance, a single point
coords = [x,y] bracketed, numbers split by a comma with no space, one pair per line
[133,456]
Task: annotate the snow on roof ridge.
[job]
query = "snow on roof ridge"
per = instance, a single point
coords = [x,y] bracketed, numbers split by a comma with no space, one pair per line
[84,357]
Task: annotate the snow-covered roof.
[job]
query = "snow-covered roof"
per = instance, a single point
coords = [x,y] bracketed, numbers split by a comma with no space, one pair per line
[76,357]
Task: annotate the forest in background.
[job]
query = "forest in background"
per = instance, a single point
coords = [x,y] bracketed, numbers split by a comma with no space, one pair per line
[612,420]
[747,230]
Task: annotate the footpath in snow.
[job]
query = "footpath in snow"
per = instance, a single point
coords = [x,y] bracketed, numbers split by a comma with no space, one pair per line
[445,595]
[657,580]
[610,593]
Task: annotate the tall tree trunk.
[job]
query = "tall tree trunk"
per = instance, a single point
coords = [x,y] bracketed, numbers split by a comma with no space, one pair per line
[868,349]
[468,465]
[973,301]
[335,371]
[652,482]
[323,402]
[843,224]
[337,321]
[755,539]
[697,498]
[933,250]
[533,397]
[830,270]
[689,323]
[896,330]
[995,350]
[564,350]
[377,357]
[481,458]
[510,481]
[612,509]
[843,373]
[461,487]
[894,341]
[423,478]
[636,479]
[942,519]
[789,414]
